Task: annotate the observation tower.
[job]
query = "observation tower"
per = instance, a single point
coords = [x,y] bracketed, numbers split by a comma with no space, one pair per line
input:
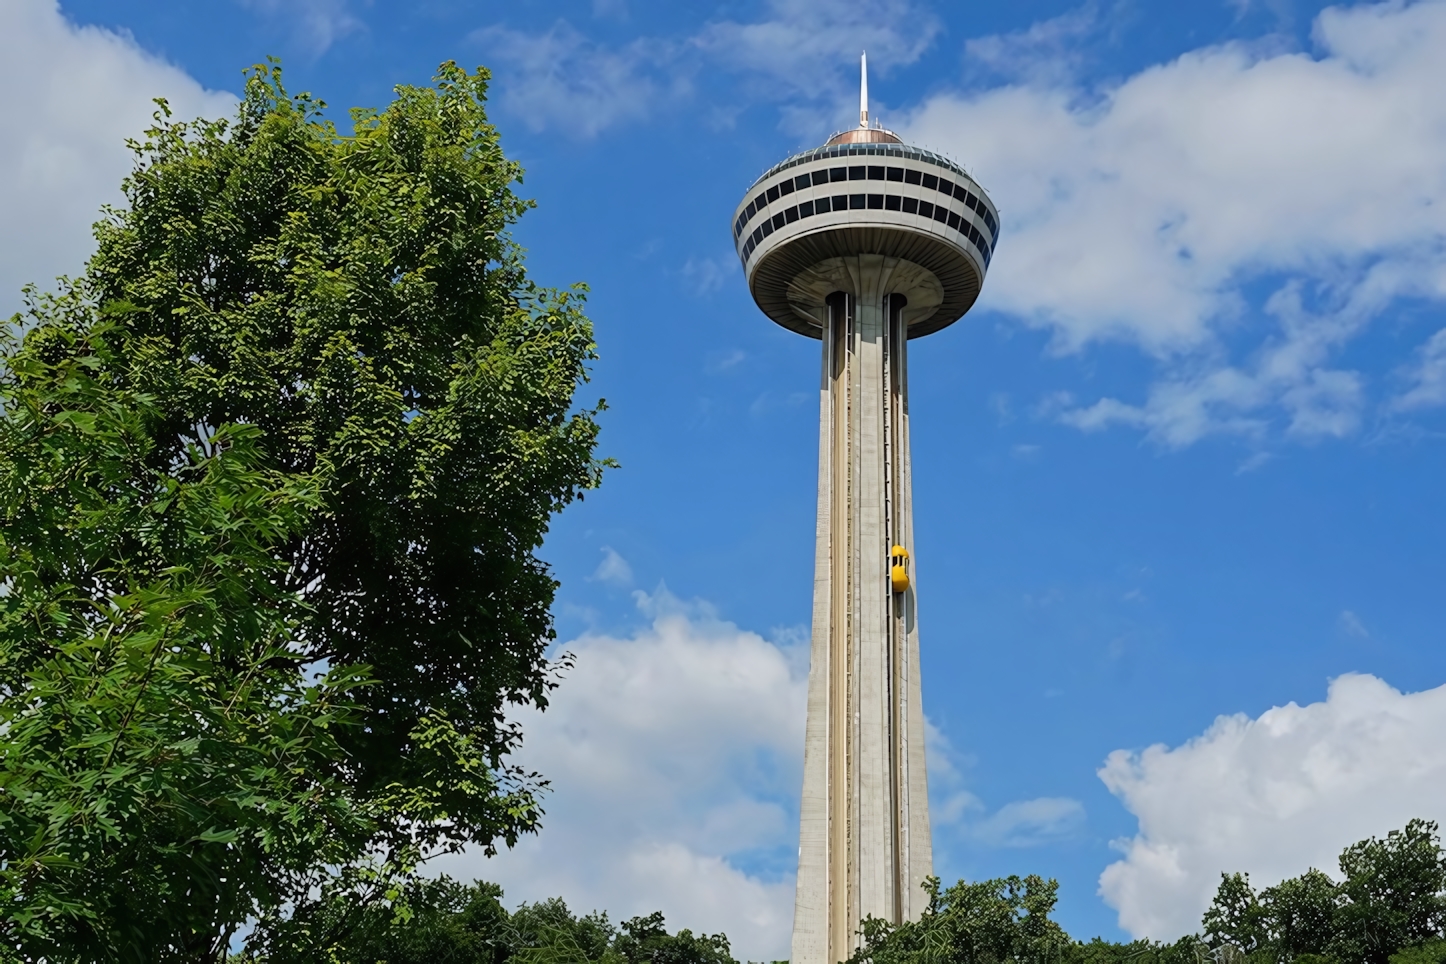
[864,243]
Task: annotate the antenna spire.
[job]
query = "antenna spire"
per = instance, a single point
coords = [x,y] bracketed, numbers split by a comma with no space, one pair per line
[864,89]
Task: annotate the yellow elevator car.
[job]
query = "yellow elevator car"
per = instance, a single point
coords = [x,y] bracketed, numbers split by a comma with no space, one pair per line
[899,568]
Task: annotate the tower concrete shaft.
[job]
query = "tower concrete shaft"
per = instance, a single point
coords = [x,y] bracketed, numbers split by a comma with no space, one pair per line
[865,243]
[864,836]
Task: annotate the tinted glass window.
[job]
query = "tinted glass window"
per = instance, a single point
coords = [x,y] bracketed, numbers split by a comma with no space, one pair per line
[821,205]
[820,177]
[841,202]
[926,209]
[838,174]
[941,213]
[953,220]
[786,187]
[856,202]
[805,210]
[748,212]
[778,220]
[989,220]
[857,173]
[801,181]
[757,234]
[946,187]
[876,201]
[971,201]
[738,226]
[773,194]
[758,202]
[911,177]
[891,203]
[973,234]
[876,173]
[911,205]
[930,181]
[791,215]
[767,228]
[896,173]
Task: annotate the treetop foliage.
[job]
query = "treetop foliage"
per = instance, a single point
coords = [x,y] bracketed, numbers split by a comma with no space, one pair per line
[1391,895]
[1389,907]
[273,472]
[446,922]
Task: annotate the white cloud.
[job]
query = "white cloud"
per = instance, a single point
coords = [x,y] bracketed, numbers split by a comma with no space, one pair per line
[563,80]
[1143,212]
[1030,823]
[317,23]
[1271,796]
[807,48]
[614,569]
[676,758]
[722,361]
[1048,51]
[1427,376]
[956,813]
[77,94]
[707,275]
[1351,625]
[803,52]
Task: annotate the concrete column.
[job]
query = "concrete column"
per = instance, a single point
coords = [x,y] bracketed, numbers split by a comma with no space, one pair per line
[864,844]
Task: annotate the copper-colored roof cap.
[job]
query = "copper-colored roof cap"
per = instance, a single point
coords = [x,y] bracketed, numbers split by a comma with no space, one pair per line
[864,135]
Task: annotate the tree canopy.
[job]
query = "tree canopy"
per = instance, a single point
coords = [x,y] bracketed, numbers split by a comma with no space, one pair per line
[446,922]
[273,474]
[1388,907]
[1391,896]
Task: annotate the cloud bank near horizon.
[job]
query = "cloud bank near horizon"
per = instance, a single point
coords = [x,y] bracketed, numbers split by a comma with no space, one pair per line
[1271,796]
[675,756]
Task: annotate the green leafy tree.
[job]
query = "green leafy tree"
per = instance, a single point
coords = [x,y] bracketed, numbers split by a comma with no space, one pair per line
[645,940]
[548,933]
[162,763]
[276,467]
[1302,915]
[444,922]
[1392,894]
[426,921]
[1236,916]
[1390,898]
[1187,950]
[987,922]
[1431,952]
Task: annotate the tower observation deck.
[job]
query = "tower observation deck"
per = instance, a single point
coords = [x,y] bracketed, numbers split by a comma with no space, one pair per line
[863,243]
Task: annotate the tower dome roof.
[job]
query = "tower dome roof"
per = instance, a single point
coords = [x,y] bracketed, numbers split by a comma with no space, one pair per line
[864,135]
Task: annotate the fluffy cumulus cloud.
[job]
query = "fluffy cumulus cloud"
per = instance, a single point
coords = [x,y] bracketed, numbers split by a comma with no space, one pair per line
[77,93]
[1271,796]
[799,52]
[676,758]
[1145,212]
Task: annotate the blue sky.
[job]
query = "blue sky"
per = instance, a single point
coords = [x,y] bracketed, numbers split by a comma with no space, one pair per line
[1177,471]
